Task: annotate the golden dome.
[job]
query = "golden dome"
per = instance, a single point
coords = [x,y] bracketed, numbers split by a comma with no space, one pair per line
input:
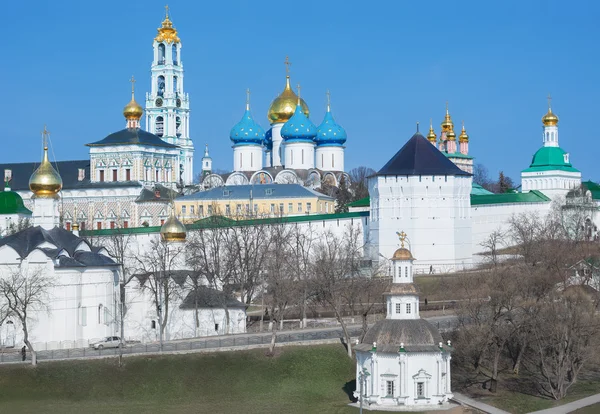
[45,181]
[133,110]
[167,33]
[283,107]
[463,137]
[173,230]
[402,254]
[550,119]
[447,124]
[451,135]
[431,136]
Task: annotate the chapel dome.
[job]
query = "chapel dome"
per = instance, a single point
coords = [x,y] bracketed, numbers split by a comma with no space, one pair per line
[388,334]
[402,254]
[12,203]
[45,181]
[173,230]
[463,137]
[299,127]
[247,131]
[283,107]
[550,119]
[330,133]
[133,110]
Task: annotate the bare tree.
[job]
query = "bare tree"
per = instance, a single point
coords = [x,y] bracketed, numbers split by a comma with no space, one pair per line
[359,185]
[156,266]
[26,291]
[335,260]
[494,242]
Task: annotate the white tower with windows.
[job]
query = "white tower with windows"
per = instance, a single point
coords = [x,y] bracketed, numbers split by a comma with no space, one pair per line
[167,106]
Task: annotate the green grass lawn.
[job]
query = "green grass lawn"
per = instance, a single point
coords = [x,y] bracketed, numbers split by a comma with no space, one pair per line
[297,380]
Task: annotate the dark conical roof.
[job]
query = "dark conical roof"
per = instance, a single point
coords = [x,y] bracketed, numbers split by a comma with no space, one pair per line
[419,157]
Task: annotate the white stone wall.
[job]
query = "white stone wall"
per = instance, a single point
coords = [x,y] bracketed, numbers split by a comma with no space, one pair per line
[435,213]
[277,155]
[247,157]
[553,184]
[299,155]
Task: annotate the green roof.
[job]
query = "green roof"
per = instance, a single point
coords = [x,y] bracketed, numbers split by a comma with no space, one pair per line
[476,189]
[550,159]
[594,188]
[457,155]
[219,221]
[12,203]
[363,202]
[533,196]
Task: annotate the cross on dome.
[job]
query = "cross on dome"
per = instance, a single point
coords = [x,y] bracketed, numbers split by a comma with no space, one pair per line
[287,64]
[45,134]
[402,237]
[132,80]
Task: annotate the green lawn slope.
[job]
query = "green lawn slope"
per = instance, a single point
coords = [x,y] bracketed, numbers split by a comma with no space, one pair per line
[297,380]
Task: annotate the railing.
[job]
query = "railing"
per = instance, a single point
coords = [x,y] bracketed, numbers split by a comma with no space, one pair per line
[241,340]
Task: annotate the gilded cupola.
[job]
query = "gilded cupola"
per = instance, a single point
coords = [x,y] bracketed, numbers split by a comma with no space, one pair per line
[550,119]
[283,107]
[463,137]
[45,182]
[133,111]
[447,124]
[167,33]
[431,137]
[173,230]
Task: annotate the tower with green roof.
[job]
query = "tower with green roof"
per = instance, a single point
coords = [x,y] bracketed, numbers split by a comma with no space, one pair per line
[551,171]
[12,209]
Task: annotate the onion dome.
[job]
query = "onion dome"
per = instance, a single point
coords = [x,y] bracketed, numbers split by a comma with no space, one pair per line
[451,135]
[283,107]
[463,137]
[329,132]
[133,111]
[167,33]
[298,127]
[247,131]
[447,124]
[431,136]
[11,202]
[45,181]
[173,230]
[550,119]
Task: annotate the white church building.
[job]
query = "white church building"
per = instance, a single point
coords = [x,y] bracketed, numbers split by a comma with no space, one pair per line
[402,360]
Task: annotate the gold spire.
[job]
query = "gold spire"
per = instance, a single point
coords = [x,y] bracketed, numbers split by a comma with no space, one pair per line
[550,119]
[167,33]
[282,108]
[45,182]
[173,230]
[431,136]
[402,237]
[133,110]
[447,124]
[463,137]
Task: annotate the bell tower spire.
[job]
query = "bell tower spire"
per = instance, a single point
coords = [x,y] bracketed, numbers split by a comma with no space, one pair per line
[167,105]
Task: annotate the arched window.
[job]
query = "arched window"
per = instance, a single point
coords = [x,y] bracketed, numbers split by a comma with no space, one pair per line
[174,53]
[161,85]
[161,54]
[178,126]
[175,85]
[547,136]
[160,126]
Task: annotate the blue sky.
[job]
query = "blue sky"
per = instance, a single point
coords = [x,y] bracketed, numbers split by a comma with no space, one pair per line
[387,64]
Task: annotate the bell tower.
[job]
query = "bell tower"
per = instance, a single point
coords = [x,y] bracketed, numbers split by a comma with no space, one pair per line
[167,106]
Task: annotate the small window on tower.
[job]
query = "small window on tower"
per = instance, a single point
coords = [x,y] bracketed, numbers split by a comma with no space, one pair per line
[127,174]
[101,176]
[114,175]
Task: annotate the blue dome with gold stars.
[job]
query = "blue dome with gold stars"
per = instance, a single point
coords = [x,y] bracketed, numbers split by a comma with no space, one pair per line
[298,127]
[329,133]
[247,131]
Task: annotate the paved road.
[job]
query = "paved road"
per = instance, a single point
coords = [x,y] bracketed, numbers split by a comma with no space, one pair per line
[464,400]
[572,406]
[443,323]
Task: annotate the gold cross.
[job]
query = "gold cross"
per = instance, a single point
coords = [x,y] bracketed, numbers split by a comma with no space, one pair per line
[402,237]
[132,80]
[328,99]
[298,93]
[287,64]
[549,102]
[248,98]
[167,11]
[45,134]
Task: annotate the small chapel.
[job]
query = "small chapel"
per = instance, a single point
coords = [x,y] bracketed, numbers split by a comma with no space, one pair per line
[402,360]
